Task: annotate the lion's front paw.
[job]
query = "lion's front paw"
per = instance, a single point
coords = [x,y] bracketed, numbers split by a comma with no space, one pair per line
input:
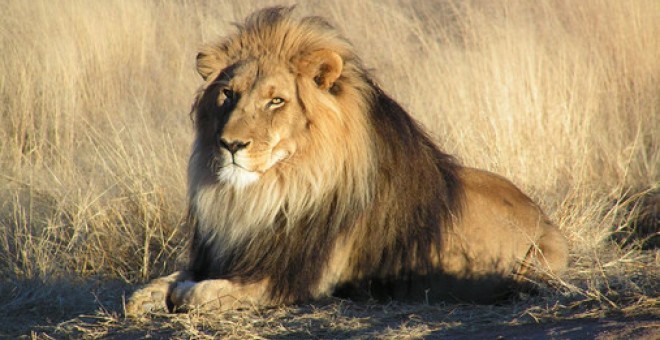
[182,296]
[153,298]
[207,295]
[150,299]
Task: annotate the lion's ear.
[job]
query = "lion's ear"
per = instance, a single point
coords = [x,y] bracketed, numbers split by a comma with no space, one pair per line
[209,62]
[324,66]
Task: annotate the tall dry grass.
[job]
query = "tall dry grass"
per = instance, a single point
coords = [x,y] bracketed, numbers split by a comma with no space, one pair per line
[560,96]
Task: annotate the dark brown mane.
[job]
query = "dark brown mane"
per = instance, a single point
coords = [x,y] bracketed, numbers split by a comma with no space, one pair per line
[418,192]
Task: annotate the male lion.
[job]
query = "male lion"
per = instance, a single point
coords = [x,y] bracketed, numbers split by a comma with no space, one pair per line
[306,179]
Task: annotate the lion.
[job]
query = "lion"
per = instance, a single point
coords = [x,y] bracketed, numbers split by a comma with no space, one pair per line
[307,180]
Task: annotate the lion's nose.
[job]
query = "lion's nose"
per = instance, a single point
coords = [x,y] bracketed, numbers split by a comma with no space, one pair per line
[233,146]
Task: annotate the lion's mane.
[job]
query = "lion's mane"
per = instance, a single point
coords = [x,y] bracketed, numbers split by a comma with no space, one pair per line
[370,171]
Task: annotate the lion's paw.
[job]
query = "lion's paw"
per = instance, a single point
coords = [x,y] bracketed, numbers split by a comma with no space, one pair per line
[182,295]
[150,299]
[154,297]
[207,295]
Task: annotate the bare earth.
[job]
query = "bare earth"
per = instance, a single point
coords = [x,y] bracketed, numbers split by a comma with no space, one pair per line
[94,310]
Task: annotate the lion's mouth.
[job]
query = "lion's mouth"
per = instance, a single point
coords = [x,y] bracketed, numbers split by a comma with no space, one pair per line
[242,170]
[237,175]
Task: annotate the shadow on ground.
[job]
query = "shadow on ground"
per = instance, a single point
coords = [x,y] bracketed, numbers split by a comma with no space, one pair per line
[93,309]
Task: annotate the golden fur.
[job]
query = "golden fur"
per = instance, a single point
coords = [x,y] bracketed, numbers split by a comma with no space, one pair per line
[307,180]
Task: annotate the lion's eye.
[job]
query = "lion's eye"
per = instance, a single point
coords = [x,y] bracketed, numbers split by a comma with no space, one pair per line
[275,102]
[230,96]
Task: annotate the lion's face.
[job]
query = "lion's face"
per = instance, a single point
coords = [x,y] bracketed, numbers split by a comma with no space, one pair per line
[259,121]
[251,115]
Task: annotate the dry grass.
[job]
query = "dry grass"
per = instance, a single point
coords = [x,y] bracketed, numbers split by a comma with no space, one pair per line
[563,97]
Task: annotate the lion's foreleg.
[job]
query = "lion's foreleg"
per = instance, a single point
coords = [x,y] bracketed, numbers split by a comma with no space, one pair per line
[155,295]
[214,295]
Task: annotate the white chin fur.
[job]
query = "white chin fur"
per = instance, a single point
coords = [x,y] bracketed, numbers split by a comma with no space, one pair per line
[237,177]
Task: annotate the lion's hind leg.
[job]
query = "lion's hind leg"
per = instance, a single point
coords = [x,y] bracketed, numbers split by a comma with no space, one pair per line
[554,250]
[546,258]
[154,297]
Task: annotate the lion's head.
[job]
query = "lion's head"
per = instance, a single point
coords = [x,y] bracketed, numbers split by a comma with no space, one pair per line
[280,124]
[257,121]
[271,105]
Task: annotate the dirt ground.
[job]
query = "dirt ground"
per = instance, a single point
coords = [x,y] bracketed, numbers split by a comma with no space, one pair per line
[602,328]
[94,310]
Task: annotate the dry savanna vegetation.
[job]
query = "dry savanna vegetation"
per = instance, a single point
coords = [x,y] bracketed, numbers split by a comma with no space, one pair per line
[562,97]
